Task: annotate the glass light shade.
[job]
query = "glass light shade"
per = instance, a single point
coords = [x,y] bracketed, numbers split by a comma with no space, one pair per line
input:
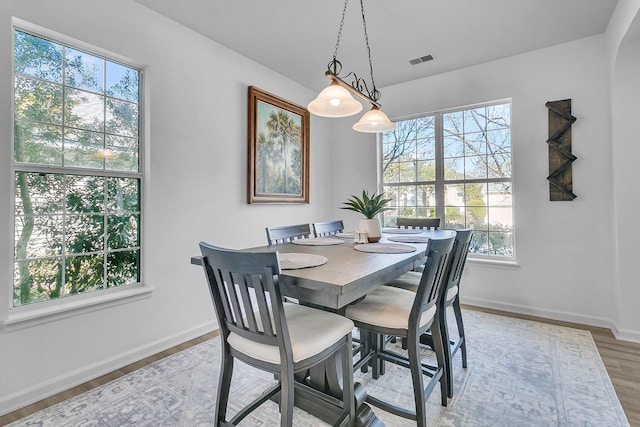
[374,121]
[334,101]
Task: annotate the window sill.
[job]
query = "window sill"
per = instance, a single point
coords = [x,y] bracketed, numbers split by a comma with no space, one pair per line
[39,313]
[494,261]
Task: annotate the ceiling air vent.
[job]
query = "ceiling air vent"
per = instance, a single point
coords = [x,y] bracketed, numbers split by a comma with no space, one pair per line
[421,59]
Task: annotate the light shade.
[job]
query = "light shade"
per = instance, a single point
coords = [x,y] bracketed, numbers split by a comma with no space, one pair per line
[334,101]
[374,121]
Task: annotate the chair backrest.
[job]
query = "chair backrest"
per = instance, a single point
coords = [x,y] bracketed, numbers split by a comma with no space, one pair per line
[328,228]
[427,223]
[256,315]
[433,278]
[458,258]
[287,233]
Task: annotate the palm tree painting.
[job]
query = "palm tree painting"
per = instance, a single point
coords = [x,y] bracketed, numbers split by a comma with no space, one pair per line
[278,151]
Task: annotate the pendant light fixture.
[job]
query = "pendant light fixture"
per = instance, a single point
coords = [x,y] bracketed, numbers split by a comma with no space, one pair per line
[336,100]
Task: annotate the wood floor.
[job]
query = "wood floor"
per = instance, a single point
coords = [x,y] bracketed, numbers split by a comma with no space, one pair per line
[622,360]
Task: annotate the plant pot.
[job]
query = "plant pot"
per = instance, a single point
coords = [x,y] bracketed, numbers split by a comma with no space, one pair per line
[372,227]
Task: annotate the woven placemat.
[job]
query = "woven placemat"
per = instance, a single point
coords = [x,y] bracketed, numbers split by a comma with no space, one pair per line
[294,260]
[318,241]
[385,248]
[409,239]
[401,230]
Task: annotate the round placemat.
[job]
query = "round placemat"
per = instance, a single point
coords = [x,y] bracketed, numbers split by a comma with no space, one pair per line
[385,248]
[409,239]
[401,230]
[317,241]
[294,260]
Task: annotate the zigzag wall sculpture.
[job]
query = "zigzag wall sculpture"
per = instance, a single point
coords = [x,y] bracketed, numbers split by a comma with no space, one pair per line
[560,157]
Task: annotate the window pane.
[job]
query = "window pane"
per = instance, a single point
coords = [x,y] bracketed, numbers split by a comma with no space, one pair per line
[425,127]
[475,194]
[501,219]
[37,57]
[123,268]
[454,217]
[454,168]
[474,120]
[453,146]
[500,194]
[426,195]
[499,141]
[407,171]
[84,233]
[452,123]
[82,149]
[38,143]
[38,101]
[85,194]
[426,170]
[499,116]
[391,173]
[84,71]
[475,167]
[499,166]
[38,193]
[38,236]
[84,273]
[479,243]
[122,117]
[122,82]
[454,195]
[501,244]
[84,110]
[476,217]
[426,149]
[123,231]
[37,280]
[123,195]
[475,144]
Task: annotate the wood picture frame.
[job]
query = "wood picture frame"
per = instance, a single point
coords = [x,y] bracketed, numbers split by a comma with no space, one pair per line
[278,170]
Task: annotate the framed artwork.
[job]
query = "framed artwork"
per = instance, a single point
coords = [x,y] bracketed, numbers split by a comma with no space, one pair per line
[278,150]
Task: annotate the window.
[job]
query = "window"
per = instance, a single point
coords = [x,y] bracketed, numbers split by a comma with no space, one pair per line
[77,171]
[455,165]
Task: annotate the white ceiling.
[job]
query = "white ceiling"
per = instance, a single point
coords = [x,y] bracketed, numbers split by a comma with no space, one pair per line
[297,37]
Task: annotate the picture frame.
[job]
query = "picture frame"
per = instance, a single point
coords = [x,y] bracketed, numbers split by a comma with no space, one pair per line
[278,169]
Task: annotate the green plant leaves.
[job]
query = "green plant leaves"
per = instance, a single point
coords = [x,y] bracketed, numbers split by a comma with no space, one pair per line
[369,206]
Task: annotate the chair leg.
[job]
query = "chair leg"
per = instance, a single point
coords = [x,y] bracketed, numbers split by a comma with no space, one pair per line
[446,347]
[286,396]
[348,398]
[413,350]
[463,345]
[224,385]
[438,348]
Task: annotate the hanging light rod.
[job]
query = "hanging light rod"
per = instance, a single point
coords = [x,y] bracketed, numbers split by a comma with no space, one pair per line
[336,100]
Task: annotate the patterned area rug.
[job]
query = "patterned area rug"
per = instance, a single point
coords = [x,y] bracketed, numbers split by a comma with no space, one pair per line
[520,373]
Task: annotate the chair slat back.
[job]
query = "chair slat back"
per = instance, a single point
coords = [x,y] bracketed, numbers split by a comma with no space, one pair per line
[287,233]
[458,258]
[253,314]
[422,223]
[433,278]
[328,228]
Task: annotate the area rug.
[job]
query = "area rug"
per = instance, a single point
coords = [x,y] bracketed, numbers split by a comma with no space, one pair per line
[520,373]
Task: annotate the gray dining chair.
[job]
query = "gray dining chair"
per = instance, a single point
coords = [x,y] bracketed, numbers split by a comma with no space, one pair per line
[421,223]
[261,330]
[287,233]
[449,297]
[329,228]
[390,311]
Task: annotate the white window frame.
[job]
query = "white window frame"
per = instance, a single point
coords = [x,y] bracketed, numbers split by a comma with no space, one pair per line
[46,311]
[440,182]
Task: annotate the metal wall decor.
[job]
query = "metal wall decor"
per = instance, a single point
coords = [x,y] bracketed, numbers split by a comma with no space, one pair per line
[560,158]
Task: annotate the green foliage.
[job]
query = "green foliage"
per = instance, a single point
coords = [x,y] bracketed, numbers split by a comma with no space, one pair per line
[369,206]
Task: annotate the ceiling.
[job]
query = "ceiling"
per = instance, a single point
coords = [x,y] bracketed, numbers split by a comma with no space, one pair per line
[297,38]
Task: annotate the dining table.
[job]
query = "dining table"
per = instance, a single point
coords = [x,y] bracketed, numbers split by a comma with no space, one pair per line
[332,272]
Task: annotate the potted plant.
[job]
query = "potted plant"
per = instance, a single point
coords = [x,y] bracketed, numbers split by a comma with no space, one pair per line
[369,206]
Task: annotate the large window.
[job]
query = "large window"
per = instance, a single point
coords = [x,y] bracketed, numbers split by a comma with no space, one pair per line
[76,168]
[454,165]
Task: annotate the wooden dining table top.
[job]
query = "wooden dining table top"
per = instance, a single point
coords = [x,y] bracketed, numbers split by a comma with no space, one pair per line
[348,274]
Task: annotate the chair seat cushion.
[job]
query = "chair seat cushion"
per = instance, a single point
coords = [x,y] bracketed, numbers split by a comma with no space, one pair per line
[387,307]
[410,281]
[311,331]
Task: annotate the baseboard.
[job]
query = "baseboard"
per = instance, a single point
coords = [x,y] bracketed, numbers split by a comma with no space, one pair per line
[538,312]
[626,335]
[35,393]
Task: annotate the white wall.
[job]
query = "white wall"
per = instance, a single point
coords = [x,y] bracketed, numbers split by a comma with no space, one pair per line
[196,100]
[564,249]
[623,36]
